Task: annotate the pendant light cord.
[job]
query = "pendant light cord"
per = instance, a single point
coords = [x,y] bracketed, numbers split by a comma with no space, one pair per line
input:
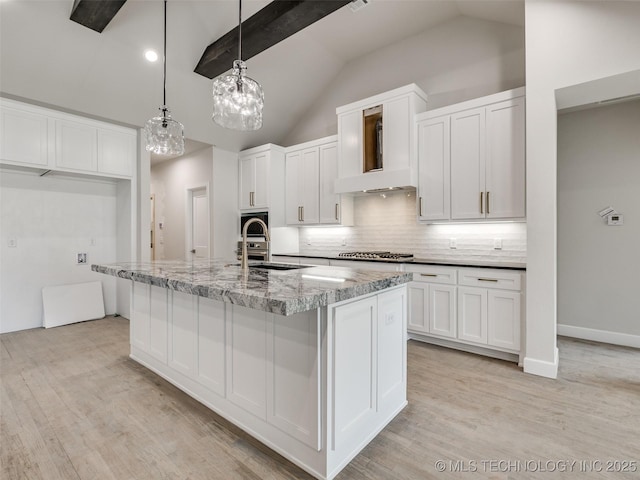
[239,29]
[164,59]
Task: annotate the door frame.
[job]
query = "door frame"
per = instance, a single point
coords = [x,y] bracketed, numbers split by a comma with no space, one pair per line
[188,219]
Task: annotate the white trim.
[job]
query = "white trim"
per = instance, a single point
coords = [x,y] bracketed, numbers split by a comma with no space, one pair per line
[542,367]
[188,218]
[603,336]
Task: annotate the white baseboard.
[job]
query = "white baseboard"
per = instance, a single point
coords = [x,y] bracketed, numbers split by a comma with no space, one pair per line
[542,368]
[603,336]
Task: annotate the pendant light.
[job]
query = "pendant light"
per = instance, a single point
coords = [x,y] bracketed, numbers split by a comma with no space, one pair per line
[238,99]
[163,134]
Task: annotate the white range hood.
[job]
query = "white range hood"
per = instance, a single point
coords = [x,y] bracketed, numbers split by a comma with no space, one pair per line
[376,141]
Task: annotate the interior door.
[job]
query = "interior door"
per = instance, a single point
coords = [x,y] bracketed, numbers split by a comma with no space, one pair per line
[199,223]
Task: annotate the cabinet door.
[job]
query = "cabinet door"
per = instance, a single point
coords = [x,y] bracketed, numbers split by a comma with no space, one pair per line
[261,196]
[309,186]
[116,152]
[140,312]
[76,146]
[396,134]
[23,137]
[434,190]
[468,164]
[247,182]
[292,188]
[418,312]
[504,319]
[505,161]
[472,314]
[330,207]
[442,310]
[350,144]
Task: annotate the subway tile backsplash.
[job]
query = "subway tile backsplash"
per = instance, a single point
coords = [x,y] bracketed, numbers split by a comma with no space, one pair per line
[389,223]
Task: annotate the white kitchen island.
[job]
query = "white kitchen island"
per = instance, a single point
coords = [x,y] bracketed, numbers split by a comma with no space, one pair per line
[311,362]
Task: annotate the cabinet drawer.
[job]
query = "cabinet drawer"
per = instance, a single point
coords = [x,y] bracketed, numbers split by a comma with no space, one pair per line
[488,278]
[432,274]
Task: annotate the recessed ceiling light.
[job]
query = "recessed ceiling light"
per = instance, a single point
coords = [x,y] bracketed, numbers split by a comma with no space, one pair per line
[151,55]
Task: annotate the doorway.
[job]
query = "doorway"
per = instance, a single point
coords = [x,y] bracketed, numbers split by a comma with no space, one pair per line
[197,222]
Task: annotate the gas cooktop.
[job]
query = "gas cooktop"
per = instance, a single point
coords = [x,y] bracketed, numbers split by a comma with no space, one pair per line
[386,256]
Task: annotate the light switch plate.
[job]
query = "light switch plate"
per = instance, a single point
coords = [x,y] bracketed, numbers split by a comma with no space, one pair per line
[497,244]
[12,242]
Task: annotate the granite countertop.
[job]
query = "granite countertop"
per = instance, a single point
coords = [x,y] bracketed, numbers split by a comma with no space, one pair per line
[282,292]
[466,262]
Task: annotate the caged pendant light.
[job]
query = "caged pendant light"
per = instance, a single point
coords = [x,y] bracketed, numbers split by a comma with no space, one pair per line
[164,135]
[238,99]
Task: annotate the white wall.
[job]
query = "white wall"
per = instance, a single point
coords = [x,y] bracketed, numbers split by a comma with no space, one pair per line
[169,182]
[390,224]
[598,166]
[567,43]
[459,60]
[226,220]
[52,219]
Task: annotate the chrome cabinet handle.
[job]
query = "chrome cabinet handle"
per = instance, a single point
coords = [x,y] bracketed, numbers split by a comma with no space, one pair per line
[337,211]
[481,202]
[488,212]
[488,280]
[299,218]
[302,207]
[428,275]
[420,207]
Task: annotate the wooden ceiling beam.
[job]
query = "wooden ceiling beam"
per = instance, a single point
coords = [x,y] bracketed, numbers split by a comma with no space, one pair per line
[275,22]
[95,14]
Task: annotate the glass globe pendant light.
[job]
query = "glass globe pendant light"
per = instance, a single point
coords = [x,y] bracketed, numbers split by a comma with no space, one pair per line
[238,99]
[164,135]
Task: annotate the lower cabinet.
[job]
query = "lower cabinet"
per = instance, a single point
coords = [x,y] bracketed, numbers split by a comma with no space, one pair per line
[479,307]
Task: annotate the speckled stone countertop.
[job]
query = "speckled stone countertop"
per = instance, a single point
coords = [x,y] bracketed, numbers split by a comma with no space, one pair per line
[282,292]
[465,262]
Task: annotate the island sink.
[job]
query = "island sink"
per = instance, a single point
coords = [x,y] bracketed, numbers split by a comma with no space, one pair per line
[278,266]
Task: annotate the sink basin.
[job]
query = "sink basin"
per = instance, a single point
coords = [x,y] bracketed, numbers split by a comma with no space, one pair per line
[277,266]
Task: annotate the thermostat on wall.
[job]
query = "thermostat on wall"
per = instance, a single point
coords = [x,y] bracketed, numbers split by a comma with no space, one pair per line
[615,219]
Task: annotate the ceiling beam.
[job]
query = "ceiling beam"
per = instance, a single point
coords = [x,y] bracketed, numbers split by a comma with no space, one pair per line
[95,14]
[275,22]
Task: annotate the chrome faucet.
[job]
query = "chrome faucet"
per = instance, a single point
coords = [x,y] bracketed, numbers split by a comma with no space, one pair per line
[265,229]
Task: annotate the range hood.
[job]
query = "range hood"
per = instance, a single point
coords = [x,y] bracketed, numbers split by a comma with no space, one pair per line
[377,182]
[376,142]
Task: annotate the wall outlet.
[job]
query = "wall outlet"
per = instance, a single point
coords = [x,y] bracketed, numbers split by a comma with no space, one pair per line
[453,243]
[12,242]
[344,242]
[497,244]
[92,242]
[81,258]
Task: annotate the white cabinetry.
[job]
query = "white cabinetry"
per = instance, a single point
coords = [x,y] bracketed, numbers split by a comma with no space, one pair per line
[432,301]
[434,185]
[476,307]
[472,160]
[398,163]
[311,171]
[76,146]
[23,135]
[44,138]
[262,182]
[302,194]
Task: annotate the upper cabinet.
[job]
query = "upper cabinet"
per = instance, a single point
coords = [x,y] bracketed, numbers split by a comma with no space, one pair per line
[261,181]
[376,147]
[310,198]
[472,160]
[24,135]
[40,137]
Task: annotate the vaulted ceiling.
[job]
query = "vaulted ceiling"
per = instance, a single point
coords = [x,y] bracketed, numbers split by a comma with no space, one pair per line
[47,58]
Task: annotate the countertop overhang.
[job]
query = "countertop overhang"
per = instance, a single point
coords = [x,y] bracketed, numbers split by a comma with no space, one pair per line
[281,292]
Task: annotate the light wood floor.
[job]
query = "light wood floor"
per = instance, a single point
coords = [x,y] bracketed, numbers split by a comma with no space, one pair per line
[74,406]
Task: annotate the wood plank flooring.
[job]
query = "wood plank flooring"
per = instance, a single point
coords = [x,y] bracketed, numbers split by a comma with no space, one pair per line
[74,406]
